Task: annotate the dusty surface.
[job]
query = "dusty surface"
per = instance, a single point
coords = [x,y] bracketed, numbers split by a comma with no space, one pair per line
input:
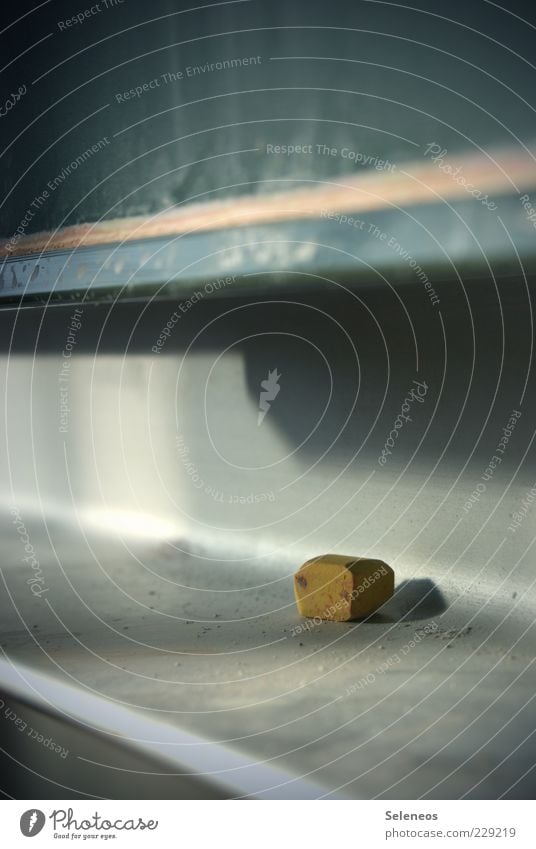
[423,702]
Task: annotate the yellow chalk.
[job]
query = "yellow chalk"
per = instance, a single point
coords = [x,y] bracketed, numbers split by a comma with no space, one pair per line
[339,588]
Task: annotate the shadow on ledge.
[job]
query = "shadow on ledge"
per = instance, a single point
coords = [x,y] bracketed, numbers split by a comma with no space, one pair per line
[414,599]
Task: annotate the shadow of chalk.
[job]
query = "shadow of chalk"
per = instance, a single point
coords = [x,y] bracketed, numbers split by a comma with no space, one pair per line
[413,600]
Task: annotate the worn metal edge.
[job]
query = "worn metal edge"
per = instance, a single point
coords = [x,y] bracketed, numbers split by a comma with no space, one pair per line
[407,245]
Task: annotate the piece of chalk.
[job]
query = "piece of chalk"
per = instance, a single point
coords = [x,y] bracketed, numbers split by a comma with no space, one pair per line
[339,588]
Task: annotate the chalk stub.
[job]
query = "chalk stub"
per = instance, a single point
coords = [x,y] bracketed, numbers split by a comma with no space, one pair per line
[339,588]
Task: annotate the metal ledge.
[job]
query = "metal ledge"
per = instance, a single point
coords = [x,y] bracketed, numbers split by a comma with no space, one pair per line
[414,244]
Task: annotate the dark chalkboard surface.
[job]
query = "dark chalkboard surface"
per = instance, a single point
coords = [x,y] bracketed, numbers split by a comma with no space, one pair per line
[113,109]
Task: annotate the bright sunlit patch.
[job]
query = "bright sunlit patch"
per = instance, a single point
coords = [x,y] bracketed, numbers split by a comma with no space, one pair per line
[130,523]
